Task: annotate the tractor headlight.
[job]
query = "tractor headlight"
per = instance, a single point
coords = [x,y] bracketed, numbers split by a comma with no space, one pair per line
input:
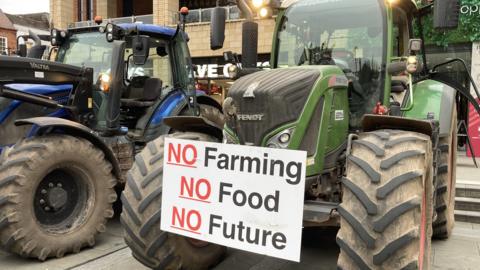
[110,28]
[282,139]
[53,37]
[258,3]
[109,37]
[232,71]
[104,82]
[57,37]
[265,12]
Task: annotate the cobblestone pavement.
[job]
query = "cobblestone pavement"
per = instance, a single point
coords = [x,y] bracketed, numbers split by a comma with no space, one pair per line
[319,251]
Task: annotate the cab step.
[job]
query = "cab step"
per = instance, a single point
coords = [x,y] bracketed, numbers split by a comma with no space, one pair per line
[467,204]
[468,189]
[467,201]
[467,216]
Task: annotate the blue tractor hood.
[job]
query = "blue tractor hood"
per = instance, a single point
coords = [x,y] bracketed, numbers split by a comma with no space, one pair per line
[60,93]
[40,89]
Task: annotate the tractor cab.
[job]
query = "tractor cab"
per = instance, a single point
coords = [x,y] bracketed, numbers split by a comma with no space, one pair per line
[354,36]
[154,64]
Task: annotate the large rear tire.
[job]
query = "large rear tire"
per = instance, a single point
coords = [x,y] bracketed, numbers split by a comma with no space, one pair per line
[387,202]
[142,200]
[56,194]
[446,178]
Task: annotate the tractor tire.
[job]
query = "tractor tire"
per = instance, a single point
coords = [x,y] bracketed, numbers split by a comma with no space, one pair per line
[4,154]
[56,194]
[446,180]
[140,217]
[387,203]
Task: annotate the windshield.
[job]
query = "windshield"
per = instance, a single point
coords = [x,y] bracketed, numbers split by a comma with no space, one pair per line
[158,64]
[346,33]
[89,50]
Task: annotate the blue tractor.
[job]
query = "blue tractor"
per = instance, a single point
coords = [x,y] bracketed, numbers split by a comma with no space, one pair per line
[69,129]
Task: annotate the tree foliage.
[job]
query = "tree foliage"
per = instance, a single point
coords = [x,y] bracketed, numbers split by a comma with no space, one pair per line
[468,30]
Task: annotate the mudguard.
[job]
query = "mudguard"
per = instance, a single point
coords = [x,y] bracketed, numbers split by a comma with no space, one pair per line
[52,125]
[371,122]
[170,107]
[193,123]
[433,100]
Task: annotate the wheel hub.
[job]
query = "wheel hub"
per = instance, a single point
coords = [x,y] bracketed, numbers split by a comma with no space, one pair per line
[57,197]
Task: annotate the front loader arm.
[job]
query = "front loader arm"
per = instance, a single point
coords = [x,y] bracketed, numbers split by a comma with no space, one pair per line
[19,70]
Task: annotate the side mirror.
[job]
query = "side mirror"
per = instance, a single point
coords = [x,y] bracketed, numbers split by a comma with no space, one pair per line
[141,48]
[112,32]
[217,28]
[414,46]
[22,50]
[446,14]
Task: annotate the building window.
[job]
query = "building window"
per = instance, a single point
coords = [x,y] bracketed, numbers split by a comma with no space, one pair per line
[3,45]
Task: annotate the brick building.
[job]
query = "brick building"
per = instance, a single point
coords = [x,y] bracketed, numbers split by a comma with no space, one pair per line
[165,12]
[8,35]
[211,71]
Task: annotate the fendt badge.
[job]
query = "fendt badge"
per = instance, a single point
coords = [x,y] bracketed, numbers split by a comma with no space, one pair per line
[250,117]
[39,66]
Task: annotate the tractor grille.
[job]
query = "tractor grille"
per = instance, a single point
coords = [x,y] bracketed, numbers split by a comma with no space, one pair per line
[278,98]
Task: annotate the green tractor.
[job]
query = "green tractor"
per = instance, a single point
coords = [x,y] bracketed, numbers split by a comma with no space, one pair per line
[350,86]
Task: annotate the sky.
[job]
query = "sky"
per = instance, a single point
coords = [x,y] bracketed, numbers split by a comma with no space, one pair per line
[24,6]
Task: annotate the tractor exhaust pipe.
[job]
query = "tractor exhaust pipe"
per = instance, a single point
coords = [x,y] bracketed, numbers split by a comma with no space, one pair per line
[249,36]
[35,37]
[38,49]
[249,44]
[249,33]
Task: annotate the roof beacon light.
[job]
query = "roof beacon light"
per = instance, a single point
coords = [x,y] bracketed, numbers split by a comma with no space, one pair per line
[98,19]
[184,11]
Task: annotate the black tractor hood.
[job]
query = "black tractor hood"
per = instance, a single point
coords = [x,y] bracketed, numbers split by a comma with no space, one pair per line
[267,99]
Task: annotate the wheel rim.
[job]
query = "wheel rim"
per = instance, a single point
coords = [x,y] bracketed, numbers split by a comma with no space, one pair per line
[61,200]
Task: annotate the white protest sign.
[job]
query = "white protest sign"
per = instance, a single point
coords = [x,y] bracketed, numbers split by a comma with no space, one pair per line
[244,197]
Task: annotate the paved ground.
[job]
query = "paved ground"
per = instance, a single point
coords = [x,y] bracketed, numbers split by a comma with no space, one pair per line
[319,251]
